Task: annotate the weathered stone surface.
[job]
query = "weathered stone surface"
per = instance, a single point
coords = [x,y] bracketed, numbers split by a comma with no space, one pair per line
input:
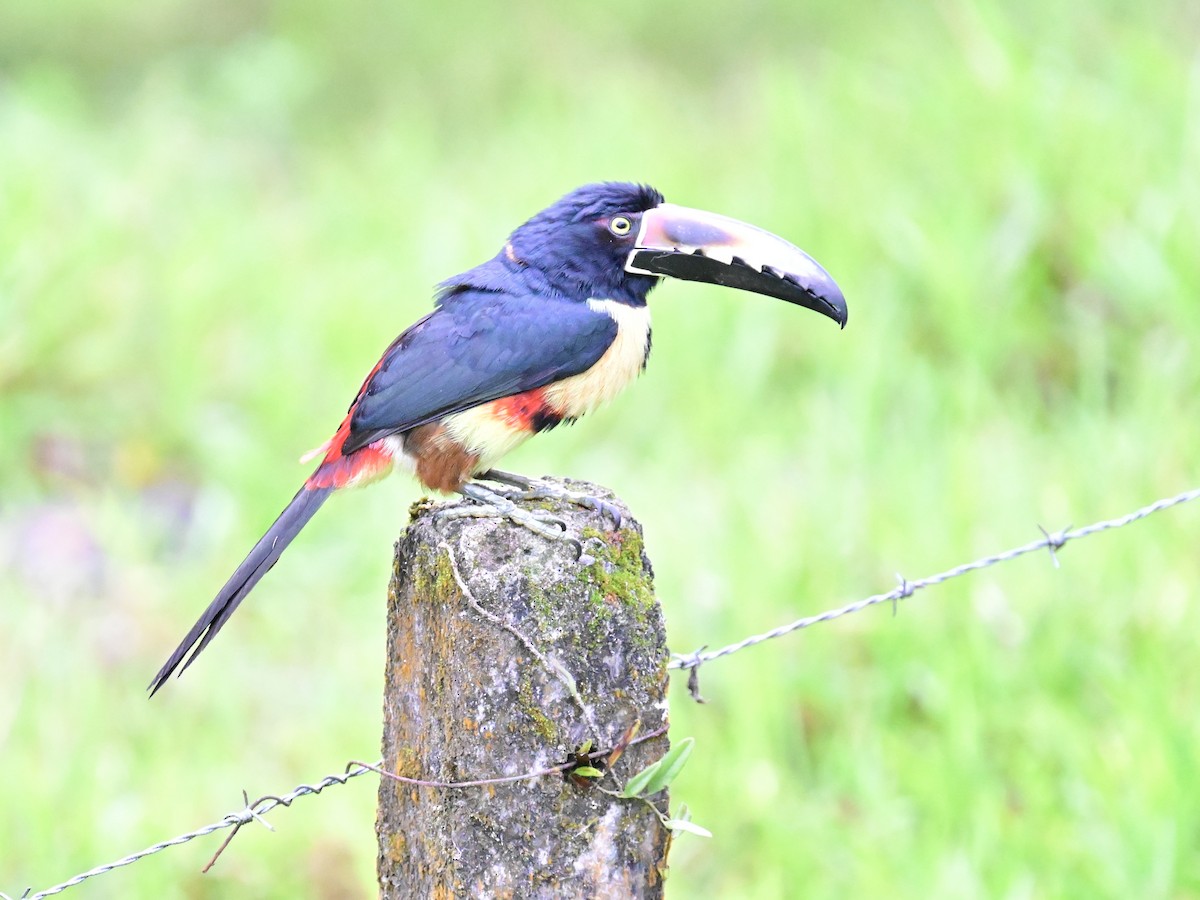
[465,699]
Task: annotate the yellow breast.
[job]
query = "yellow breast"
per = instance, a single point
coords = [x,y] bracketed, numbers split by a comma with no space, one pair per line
[621,363]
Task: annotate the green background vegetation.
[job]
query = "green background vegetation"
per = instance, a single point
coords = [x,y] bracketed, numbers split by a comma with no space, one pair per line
[214,215]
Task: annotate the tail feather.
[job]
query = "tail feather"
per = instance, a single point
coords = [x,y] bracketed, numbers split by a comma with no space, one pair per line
[264,555]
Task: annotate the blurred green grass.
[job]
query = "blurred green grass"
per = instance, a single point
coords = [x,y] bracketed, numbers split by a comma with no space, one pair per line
[214,216]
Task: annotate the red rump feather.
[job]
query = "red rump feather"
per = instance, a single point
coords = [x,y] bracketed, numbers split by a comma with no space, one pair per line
[338,470]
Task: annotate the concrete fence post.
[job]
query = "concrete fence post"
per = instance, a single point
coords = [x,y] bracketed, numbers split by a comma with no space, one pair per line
[505,656]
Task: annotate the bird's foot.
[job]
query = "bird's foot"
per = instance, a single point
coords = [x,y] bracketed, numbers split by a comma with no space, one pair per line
[486,503]
[521,488]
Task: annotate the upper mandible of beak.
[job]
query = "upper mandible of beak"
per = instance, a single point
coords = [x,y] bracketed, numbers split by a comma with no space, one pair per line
[695,245]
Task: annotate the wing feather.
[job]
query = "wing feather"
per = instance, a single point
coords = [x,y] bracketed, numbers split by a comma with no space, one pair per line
[484,346]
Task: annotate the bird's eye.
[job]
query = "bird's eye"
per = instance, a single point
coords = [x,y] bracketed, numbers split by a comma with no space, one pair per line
[620,226]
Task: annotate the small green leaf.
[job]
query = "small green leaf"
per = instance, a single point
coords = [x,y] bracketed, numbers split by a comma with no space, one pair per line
[661,772]
[690,827]
[585,748]
[634,785]
[588,772]
[669,766]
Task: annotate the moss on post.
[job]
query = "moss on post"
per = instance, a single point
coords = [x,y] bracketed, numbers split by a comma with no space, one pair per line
[505,655]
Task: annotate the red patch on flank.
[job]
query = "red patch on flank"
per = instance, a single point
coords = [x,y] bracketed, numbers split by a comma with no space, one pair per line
[337,471]
[521,410]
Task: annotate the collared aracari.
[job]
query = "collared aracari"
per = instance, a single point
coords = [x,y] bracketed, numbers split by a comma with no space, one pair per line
[550,328]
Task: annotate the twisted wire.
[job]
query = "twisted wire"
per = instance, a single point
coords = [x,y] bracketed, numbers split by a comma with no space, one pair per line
[251,812]
[1051,541]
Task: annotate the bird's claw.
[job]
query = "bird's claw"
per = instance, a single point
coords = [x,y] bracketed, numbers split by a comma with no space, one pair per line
[581,556]
[518,487]
[483,502]
[605,509]
[548,526]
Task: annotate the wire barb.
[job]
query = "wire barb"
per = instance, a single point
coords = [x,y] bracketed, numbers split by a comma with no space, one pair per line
[1054,542]
[693,683]
[903,592]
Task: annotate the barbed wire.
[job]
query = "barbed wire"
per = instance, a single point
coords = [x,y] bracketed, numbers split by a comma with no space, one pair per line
[235,820]
[1051,541]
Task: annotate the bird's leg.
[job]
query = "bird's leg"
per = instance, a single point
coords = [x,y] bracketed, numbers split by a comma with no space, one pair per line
[486,503]
[534,489]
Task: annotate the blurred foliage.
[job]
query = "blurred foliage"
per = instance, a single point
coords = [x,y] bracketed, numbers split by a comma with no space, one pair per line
[213,216]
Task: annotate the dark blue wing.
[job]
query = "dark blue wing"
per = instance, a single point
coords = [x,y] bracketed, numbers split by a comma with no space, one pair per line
[478,348]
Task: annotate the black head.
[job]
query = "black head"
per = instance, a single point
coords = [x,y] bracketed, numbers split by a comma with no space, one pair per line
[581,243]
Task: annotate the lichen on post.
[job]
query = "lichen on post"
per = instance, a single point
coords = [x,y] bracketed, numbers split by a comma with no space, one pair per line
[506,655]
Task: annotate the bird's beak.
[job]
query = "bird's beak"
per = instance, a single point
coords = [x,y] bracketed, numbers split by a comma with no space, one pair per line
[701,246]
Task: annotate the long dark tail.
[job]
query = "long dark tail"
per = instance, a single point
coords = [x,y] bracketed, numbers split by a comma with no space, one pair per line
[264,555]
